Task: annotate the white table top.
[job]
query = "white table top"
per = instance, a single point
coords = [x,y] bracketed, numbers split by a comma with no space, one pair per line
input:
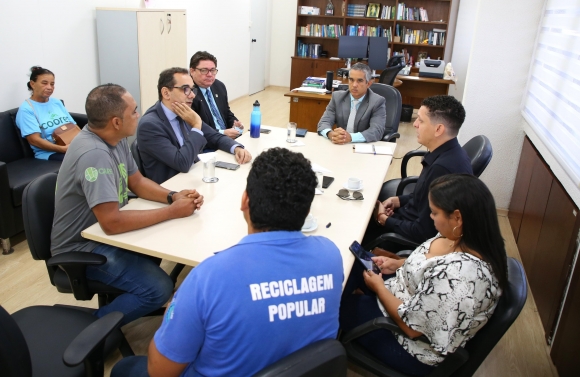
[220,222]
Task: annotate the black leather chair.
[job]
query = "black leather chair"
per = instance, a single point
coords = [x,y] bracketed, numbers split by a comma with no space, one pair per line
[56,341]
[478,149]
[389,75]
[396,60]
[393,99]
[137,157]
[464,361]
[480,153]
[18,168]
[67,270]
[323,358]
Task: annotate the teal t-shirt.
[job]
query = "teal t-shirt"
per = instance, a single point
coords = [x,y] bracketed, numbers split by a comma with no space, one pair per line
[51,115]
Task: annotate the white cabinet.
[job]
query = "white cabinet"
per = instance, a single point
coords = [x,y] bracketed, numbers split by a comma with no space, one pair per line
[135,45]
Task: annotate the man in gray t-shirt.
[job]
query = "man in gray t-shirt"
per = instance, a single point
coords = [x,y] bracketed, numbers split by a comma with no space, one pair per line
[92,185]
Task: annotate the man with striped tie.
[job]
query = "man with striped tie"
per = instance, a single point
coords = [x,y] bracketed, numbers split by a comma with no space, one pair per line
[212,102]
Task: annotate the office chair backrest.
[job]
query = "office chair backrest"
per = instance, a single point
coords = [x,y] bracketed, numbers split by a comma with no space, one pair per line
[389,74]
[323,358]
[38,212]
[508,308]
[137,157]
[480,153]
[14,354]
[398,60]
[394,104]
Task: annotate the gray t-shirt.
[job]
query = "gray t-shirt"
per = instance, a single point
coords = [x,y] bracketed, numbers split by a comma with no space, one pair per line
[93,172]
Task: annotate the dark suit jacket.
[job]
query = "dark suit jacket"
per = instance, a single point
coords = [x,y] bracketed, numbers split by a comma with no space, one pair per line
[220,96]
[159,148]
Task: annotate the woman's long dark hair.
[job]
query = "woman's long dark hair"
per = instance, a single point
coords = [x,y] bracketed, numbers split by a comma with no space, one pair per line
[481,233]
[35,72]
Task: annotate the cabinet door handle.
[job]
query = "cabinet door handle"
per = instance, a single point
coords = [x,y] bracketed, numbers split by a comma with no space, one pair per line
[168,23]
[161,26]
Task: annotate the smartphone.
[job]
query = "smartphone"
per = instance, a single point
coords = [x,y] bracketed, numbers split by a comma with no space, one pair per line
[265,131]
[301,132]
[326,181]
[364,257]
[226,165]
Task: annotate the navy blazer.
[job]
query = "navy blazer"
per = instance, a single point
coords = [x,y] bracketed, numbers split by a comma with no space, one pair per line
[220,96]
[161,154]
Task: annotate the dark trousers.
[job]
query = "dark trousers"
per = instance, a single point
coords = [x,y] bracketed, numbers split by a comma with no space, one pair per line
[357,309]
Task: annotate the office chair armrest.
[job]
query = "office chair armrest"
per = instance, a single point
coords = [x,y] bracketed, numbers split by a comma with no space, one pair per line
[88,346]
[451,363]
[404,183]
[375,324]
[76,258]
[406,159]
[404,253]
[393,237]
[391,137]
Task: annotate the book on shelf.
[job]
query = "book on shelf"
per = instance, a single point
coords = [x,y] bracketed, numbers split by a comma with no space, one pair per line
[373,149]
[314,82]
[356,10]
[316,30]
[405,13]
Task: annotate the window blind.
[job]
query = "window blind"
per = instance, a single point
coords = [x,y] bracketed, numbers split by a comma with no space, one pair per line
[551,103]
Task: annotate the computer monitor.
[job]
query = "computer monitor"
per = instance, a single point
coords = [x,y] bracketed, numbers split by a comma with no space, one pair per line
[378,51]
[353,47]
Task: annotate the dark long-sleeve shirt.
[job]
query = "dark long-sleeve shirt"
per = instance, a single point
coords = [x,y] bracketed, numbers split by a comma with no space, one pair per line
[412,220]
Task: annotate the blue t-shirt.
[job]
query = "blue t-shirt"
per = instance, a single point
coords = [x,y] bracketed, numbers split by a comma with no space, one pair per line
[254,303]
[51,114]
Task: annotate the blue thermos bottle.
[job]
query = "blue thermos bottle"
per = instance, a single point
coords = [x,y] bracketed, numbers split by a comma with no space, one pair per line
[255,120]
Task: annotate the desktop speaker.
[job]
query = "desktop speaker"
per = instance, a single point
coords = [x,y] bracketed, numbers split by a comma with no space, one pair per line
[329,78]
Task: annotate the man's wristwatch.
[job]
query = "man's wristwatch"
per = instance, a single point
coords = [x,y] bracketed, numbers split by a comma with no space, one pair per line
[170,196]
[379,219]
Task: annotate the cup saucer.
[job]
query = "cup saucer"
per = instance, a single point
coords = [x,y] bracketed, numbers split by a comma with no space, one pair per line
[312,228]
[345,185]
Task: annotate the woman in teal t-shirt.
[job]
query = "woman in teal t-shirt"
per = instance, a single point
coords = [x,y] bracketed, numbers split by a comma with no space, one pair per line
[40,115]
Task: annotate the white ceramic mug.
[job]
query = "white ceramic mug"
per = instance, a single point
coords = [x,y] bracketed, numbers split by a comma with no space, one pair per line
[354,183]
[308,222]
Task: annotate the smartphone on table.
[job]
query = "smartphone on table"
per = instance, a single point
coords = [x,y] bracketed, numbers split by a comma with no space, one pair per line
[326,181]
[226,165]
[364,257]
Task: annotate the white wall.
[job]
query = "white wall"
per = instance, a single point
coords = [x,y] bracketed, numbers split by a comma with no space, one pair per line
[464,30]
[498,64]
[283,33]
[60,35]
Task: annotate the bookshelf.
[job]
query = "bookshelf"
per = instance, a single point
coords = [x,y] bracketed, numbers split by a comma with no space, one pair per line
[438,12]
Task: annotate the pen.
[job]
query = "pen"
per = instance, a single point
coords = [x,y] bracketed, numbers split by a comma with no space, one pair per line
[328,225]
[374,151]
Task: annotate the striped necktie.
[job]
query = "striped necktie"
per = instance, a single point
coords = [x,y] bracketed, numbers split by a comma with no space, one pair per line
[214,110]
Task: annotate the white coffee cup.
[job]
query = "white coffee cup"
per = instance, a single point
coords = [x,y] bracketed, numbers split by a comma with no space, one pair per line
[309,221]
[354,183]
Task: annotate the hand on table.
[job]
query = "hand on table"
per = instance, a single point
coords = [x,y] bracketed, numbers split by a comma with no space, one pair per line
[242,155]
[231,132]
[190,194]
[187,114]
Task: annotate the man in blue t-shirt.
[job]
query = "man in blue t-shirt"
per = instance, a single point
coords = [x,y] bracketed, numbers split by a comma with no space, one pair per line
[273,293]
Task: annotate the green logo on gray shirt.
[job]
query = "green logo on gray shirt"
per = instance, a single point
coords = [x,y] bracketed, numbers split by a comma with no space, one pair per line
[91,174]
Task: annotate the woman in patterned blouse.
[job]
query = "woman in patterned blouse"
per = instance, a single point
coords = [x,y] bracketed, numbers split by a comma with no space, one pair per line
[446,289]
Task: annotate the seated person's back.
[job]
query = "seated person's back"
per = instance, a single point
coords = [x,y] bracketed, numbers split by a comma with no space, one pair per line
[39,116]
[254,303]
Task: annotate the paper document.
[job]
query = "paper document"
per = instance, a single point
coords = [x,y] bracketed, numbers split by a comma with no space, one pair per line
[307,89]
[318,168]
[373,149]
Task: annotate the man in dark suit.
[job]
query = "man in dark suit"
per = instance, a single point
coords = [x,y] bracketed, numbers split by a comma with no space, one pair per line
[212,102]
[359,113]
[171,134]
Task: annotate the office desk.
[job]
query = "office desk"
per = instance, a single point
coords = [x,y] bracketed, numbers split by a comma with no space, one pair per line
[220,223]
[415,88]
[306,109]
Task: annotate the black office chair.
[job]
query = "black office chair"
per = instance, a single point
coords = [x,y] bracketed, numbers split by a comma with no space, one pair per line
[396,60]
[323,358]
[389,75]
[56,341]
[478,150]
[137,157]
[464,361]
[393,106]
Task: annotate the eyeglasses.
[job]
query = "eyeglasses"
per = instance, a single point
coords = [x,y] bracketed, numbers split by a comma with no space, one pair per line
[187,90]
[344,194]
[205,71]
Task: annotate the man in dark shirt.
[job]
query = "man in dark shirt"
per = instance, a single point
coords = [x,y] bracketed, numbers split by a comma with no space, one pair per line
[438,122]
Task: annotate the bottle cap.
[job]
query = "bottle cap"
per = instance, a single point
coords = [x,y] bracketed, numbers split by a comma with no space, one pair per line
[256,103]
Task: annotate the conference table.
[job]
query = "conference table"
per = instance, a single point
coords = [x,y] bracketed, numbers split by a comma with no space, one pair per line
[220,224]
